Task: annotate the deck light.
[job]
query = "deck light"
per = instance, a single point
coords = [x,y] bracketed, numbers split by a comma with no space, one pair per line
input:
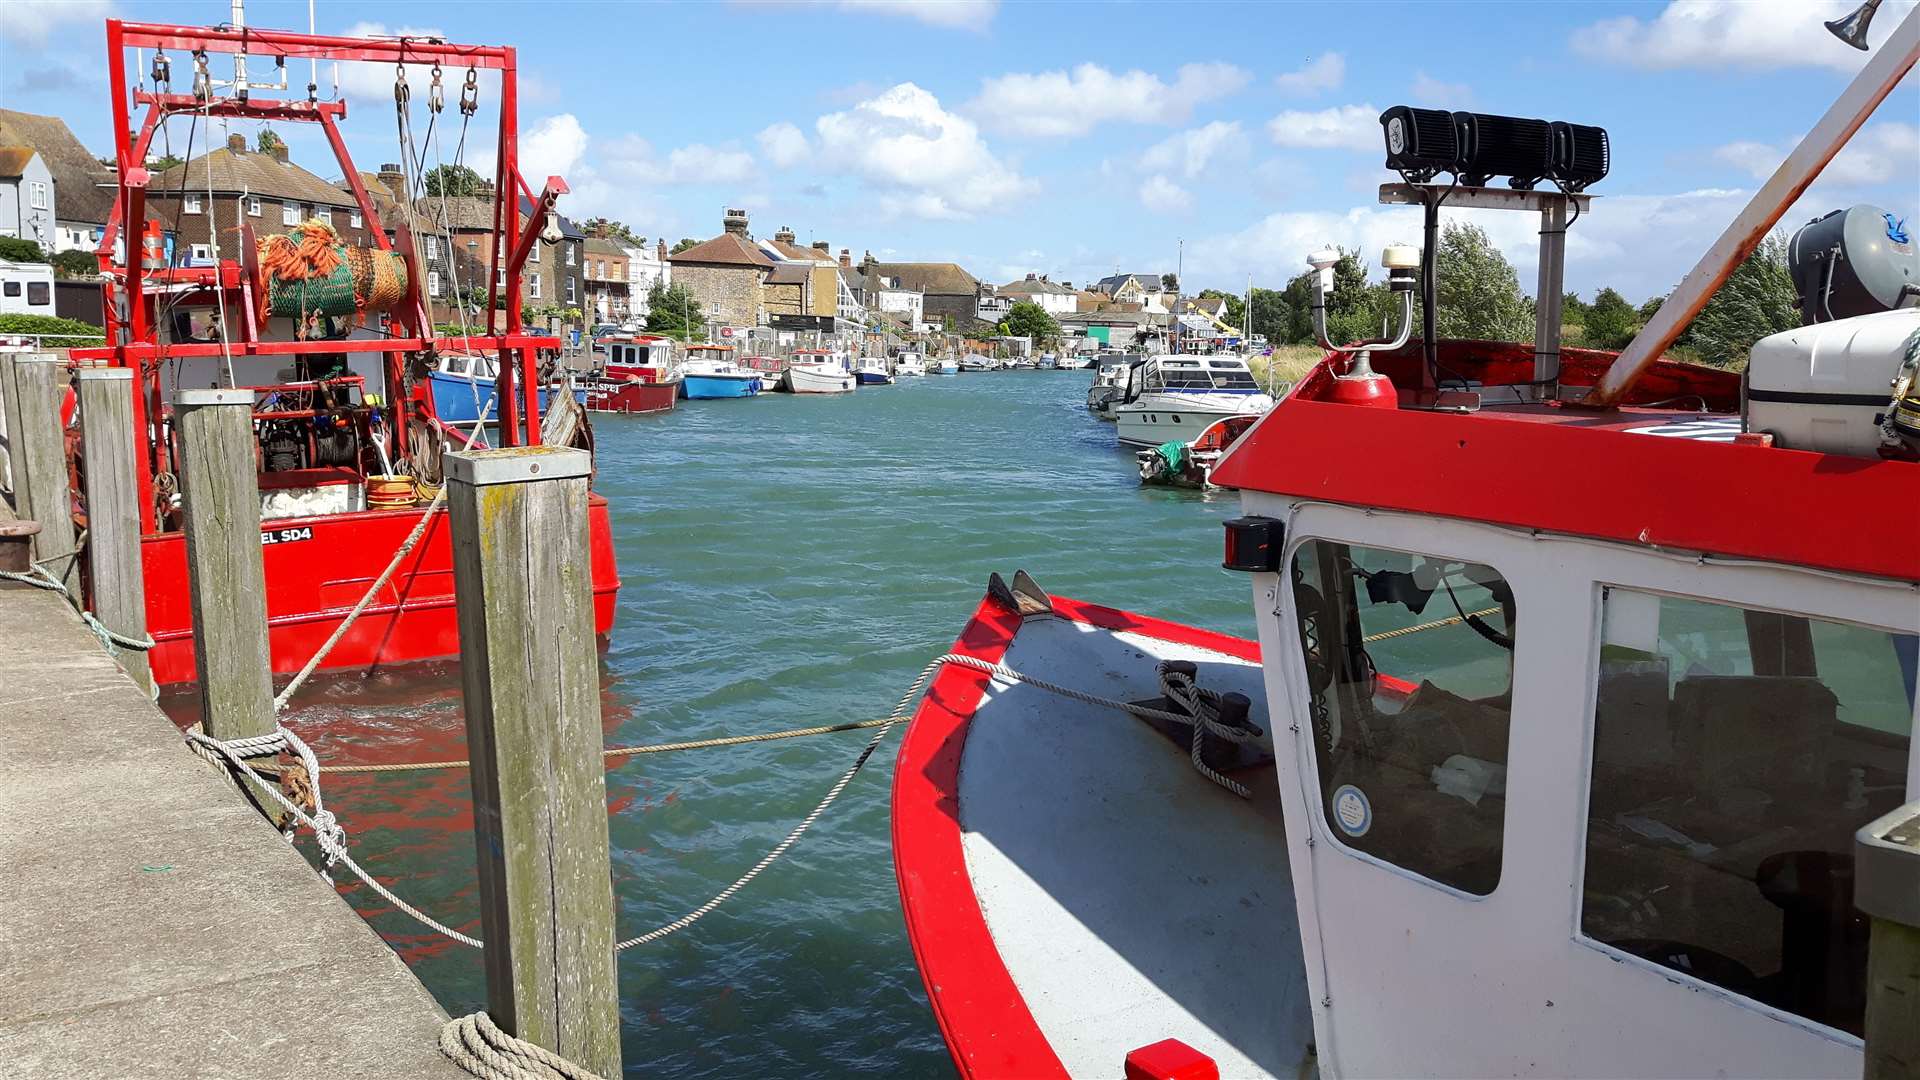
[1853,28]
[1511,146]
[1253,544]
[1581,155]
[1421,143]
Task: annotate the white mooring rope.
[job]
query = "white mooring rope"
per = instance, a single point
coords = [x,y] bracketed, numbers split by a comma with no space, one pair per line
[478,1045]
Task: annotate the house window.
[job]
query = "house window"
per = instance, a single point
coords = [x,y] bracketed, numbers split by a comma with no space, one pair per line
[355,220]
[326,214]
[570,291]
[192,204]
[433,283]
[500,278]
[1734,754]
[39,198]
[253,206]
[433,247]
[39,293]
[534,255]
[1410,731]
[289,213]
[533,286]
[202,253]
[716,307]
[570,251]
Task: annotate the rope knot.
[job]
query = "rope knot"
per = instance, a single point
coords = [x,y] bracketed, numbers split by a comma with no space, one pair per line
[330,835]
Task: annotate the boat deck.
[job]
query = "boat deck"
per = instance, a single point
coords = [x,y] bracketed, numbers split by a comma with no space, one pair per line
[1111,895]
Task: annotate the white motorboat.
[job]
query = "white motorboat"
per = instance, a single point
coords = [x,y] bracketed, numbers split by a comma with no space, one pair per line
[1108,390]
[1072,362]
[976,362]
[872,371]
[1048,362]
[909,363]
[947,366]
[819,371]
[1173,398]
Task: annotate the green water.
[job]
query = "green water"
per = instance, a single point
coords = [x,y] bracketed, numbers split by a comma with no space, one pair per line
[785,561]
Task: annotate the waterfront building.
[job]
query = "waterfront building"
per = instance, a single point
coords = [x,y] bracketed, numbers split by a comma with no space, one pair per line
[1055,299]
[725,273]
[609,291]
[949,295]
[26,196]
[233,187]
[82,192]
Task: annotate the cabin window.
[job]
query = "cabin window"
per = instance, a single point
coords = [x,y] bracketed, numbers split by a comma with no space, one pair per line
[39,293]
[1734,754]
[1409,670]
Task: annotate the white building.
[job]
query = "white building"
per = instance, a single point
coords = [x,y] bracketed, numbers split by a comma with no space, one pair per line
[26,196]
[646,266]
[910,305]
[1054,298]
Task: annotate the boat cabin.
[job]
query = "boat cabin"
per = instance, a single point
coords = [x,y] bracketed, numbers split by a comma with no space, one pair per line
[1181,374]
[1571,763]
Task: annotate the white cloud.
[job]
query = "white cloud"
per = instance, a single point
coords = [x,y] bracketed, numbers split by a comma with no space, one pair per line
[1190,152]
[1062,103]
[32,22]
[1877,154]
[948,14]
[783,144]
[1323,73]
[923,160]
[554,147]
[1716,34]
[1639,244]
[1436,94]
[372,83]
[1163,196]
[1343,127]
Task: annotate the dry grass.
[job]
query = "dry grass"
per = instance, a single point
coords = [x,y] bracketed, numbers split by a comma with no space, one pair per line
[1287,365]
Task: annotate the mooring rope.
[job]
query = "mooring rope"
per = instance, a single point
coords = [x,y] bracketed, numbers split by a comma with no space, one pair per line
[38,576]
[477,1045]
[1437,623]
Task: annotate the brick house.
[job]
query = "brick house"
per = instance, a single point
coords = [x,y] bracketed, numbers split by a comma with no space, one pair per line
[263,190]
[725,273]
[609,289]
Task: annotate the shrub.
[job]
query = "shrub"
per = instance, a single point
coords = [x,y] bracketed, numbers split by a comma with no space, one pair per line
[67,333]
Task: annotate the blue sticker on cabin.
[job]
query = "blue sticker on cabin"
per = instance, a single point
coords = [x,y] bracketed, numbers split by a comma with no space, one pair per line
[1352,814]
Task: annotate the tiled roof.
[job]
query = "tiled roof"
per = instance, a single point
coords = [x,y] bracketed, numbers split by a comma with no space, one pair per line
[600,245]
[727,249]
[1036,287]
[465,213]
[236,171]
[799,254]
[789,273]
[939,279]
[83,189]
[14,159]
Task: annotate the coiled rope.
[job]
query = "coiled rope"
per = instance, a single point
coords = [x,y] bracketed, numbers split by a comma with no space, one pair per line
[477,1045]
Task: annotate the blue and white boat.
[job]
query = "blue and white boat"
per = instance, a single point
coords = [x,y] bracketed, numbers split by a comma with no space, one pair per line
[709,373]
[872,371]
[947,366]
[463,388]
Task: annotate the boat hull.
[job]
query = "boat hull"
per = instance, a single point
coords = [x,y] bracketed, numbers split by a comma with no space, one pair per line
[630,396]
[873,378]
[947,369]
[804,380]
[458,399]
[1143,424]
[715,387]
[318,568]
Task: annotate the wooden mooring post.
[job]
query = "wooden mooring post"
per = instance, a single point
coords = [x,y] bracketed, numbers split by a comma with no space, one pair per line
[114,574]
[530,674]
[220,497]
[8,425]
[1886,854]
[41,454]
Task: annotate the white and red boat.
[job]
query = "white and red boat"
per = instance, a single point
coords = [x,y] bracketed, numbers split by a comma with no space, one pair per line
[339,404]
[1575,677]
[634,375]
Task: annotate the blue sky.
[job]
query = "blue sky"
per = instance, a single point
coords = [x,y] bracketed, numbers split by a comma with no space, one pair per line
[1074,139]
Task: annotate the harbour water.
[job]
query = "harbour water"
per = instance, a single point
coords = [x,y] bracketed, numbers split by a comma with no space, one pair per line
[785,561]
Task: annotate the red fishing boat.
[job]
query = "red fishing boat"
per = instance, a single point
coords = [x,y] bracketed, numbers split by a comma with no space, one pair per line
[635,374]
[334,339]
[1580,679]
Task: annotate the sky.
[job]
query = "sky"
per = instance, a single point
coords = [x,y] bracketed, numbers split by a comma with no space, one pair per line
[1080,139]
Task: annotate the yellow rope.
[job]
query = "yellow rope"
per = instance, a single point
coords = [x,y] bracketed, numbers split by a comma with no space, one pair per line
[614,755]
[1448,621]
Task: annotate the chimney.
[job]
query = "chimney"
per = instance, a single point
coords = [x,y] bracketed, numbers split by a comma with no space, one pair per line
[1031,277]
[846,258]
[784,236]
[734,221]
[237,143]
[823,248]
[280,153]
[660,249]
[392,179]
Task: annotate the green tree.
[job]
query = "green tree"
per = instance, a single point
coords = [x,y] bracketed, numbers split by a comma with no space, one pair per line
[685,243]
[267,141]
[453,180]
[1611,321]
[1029,320]
[615,230]
[1477,293]
[1757,300]
[1271,314]
[1651,308]
[672,310]
[76,264]
[15,249]
[1170,283]
[1236,306]
[1573,310]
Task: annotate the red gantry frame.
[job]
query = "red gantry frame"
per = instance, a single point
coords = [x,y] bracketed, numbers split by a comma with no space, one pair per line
[133,285]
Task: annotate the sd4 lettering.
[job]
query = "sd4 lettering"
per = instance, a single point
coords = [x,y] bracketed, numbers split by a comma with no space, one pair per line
[286,536]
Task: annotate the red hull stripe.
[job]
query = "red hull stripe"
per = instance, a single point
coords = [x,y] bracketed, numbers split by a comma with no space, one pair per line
[986,1023]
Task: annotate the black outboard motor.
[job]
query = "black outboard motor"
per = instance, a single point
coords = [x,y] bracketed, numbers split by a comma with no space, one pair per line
[1853,262]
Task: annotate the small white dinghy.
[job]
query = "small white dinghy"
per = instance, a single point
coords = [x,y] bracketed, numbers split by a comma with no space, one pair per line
[1073,888]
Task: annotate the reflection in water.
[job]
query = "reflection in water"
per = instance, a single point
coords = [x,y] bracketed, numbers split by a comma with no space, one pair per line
[785,561]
